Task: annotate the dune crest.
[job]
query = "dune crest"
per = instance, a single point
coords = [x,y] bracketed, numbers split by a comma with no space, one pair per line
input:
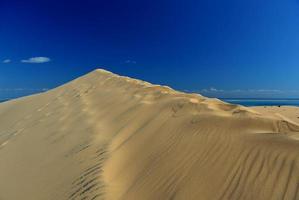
[104,136]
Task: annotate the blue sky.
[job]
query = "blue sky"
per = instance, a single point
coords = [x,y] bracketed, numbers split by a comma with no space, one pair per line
[221,48]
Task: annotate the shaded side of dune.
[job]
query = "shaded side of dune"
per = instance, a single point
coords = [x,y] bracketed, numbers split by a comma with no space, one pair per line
[104,136]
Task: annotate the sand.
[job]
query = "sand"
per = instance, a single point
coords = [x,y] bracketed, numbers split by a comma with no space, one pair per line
[291,113]
[105,136]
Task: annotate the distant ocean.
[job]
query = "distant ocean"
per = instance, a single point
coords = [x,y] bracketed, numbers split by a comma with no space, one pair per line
[2,100]
[263,102]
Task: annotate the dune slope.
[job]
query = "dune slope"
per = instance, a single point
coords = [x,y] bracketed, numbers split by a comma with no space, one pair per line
[104,136]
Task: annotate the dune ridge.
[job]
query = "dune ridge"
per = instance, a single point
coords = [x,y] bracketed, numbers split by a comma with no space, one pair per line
[105,136]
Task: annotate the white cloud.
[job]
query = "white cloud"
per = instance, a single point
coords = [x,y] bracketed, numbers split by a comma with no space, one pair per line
[212,89]
[130,62]
[6,61]
[240,93]
[264,91]
[36,60]
[215,90]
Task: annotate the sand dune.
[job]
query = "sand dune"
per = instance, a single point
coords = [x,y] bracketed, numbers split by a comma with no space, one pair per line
[290,113]
[104,136]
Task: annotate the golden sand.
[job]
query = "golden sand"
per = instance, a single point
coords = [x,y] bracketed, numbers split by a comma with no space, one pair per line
[104,136]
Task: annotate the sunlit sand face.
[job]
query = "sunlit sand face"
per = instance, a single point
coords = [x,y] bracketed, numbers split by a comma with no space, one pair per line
[109,137]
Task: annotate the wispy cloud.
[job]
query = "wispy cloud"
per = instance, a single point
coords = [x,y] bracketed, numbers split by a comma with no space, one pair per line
[130,62]
[247,92]
[36,60]
[6,61]
[214,90]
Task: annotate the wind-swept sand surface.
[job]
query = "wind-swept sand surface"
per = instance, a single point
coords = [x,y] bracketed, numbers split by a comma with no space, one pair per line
[104,136]
[289,112]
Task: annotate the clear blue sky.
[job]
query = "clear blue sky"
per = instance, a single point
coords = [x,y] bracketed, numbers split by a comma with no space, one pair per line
[222,48]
